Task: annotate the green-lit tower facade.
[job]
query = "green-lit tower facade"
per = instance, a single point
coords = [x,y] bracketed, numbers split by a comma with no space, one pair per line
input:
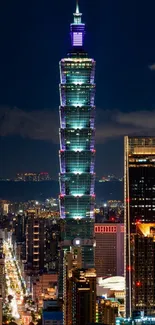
[77,152]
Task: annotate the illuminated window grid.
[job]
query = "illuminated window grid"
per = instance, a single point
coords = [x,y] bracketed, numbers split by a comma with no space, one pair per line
[77,117]
[72,184]
[77,207]
[80,162]
[76,139]
[77,72]
[77,95]
[84,227]
[77,39]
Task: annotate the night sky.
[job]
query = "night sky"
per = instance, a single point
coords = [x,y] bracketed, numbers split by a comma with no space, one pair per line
[34,36]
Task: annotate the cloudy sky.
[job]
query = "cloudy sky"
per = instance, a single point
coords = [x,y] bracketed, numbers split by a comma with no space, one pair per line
[34,36]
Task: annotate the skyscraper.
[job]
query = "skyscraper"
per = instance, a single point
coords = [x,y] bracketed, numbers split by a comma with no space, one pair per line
[143,264]
[77,153]
[35,242]
[139,193]
[109,249]
[80,291]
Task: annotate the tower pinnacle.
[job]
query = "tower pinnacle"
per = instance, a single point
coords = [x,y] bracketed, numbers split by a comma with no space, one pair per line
[77,14]
[77,7]
[77,28]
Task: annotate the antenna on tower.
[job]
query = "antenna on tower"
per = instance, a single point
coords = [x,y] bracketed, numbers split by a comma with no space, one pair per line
[77,7]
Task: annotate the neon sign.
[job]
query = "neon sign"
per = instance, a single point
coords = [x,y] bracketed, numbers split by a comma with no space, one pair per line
[105,229]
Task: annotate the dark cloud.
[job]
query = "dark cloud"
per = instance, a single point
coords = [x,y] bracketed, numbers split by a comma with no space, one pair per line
[44,124]
[117,124]
[37,125]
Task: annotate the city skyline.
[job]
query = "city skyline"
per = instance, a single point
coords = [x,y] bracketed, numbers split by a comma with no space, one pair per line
[29,76]
[72,252]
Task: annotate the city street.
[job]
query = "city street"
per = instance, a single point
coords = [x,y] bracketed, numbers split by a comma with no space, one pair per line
[14,288]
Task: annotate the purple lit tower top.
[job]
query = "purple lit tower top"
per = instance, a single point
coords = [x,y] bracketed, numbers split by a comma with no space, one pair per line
[77,29]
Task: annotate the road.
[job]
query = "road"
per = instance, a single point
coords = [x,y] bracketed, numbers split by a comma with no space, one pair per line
[13,282]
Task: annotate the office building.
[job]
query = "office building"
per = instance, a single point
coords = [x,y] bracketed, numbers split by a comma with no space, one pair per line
[42,237]
[139,199]
[109,249]
[35,242]
[19,227]
[77,153]
[106,310]
[52,241]
[84,296]
[52,314]
[143,264]
[79,294]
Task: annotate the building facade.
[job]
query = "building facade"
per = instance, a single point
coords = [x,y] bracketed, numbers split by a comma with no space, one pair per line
[35,242]
[42,237]
[77,152]
[79,294]
[143,264]
[52,314]
[139,201]
[106,311]
[109,249]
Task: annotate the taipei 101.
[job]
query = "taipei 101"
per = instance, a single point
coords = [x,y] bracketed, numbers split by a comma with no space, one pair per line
[77,163]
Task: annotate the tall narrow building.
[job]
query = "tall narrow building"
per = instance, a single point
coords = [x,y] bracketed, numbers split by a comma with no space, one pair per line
[139,193]
[77,153]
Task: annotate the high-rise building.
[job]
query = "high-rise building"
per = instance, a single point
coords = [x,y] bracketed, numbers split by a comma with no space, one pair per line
[139,199]
[52,240]
[109,249]
[77,153]
[42,237]
[19,227]
[83,284]
[143,264]
[79,291]
[35,242]
[106,310]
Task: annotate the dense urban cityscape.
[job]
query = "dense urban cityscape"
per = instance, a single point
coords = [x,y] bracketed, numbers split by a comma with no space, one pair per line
[79,249]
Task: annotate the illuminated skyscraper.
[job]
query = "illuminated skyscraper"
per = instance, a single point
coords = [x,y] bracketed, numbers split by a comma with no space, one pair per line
[139,193]
[143,264]
[77,153]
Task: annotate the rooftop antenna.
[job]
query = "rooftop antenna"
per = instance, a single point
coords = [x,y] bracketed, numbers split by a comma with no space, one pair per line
[77,7]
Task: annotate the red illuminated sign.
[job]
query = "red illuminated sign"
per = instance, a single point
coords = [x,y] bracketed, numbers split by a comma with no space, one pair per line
[105,229]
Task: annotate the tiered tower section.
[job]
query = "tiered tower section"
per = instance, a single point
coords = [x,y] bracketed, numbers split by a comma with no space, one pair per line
[77,152]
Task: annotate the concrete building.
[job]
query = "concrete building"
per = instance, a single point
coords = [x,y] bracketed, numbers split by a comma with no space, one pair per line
[109,250]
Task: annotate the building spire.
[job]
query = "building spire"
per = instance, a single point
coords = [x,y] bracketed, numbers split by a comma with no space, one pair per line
[77,7]
[77,14]
[77,28]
